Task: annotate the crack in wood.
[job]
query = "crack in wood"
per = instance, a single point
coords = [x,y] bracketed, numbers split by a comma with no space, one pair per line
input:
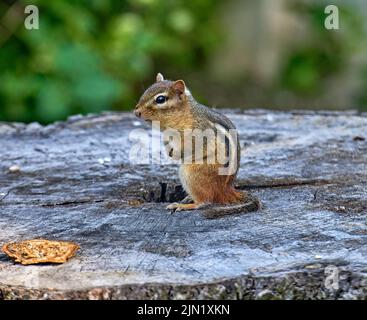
[71,202]
[296,183]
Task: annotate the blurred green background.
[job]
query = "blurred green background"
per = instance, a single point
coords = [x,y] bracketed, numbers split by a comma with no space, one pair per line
[94,55]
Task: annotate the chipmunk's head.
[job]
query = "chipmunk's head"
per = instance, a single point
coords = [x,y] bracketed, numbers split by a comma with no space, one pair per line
[163,101]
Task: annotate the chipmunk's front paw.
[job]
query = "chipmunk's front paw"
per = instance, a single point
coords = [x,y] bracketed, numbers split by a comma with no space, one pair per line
[187,199]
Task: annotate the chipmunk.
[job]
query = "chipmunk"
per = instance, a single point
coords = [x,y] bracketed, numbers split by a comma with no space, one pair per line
[172,104]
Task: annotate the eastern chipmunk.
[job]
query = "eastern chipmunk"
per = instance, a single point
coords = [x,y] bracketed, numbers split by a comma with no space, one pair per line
[171,103]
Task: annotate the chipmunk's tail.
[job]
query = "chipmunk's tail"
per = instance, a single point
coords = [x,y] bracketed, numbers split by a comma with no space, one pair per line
[249,203]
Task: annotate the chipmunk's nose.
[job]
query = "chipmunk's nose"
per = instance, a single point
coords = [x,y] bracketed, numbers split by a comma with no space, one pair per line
[137,113]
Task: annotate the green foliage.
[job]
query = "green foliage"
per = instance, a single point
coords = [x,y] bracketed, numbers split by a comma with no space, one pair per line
[326,53]
[93,55]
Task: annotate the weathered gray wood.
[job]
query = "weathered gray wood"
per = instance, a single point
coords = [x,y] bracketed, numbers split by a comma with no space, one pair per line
[309,169]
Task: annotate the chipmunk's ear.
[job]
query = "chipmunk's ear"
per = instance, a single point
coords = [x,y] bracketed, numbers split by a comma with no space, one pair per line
[159,77]
[179,86]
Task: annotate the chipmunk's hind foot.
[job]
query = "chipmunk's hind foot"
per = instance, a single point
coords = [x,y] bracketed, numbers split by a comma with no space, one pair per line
[184,206]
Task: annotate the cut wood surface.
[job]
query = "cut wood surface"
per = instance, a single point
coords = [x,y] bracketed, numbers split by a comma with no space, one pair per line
[73,181]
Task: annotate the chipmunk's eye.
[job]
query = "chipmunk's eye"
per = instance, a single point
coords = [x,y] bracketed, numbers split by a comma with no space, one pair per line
[161,99]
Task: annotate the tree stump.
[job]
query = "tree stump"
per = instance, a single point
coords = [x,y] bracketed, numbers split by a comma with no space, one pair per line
[73,181]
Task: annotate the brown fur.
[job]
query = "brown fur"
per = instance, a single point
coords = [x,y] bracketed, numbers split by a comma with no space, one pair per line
[201,181]
[176,115]
[206,186]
